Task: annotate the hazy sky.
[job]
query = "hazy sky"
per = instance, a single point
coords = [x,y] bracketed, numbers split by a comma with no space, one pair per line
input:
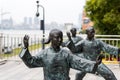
[60,11]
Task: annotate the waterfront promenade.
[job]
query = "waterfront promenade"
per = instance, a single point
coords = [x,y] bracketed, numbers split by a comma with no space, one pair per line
[16,70]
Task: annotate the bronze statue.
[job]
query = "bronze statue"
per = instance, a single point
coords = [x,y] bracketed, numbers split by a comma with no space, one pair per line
[55,60]
[74,37]
[89,49]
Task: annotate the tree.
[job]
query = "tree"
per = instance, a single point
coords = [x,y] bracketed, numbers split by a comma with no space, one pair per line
[105,14]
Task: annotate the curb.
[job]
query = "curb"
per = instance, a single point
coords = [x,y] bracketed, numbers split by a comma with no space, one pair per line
[3,62]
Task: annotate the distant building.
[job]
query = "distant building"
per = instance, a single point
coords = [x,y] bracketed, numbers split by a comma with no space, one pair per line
[86,22]
[30,20]
[36,21]
[7,23]
[68,26]
[27,21]
[80,20]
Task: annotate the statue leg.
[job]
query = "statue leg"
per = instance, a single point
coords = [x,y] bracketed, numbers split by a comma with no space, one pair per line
[80,75]
[105,72]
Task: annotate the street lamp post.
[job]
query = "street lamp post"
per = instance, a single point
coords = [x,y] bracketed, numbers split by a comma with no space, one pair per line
[42,22]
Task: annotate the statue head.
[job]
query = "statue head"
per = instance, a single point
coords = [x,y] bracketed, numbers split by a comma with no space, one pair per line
[90,32]
[73,31]
[55,37]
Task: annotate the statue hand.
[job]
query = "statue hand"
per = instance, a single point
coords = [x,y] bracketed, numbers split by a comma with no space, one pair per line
[99,59]
[26,41]
[68,35]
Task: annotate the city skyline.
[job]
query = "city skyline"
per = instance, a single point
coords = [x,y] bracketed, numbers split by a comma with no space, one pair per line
[30,23]
[58,11]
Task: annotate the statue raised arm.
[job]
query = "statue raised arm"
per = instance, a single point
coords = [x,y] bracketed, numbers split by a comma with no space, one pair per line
[26,41]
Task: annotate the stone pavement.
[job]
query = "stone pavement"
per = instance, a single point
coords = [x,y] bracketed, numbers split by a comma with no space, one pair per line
[16,70]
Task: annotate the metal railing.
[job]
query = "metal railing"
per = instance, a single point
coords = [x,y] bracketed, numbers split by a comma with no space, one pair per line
[10,45]
[112,40]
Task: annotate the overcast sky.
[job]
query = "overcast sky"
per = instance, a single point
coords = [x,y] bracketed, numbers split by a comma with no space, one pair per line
[60,11]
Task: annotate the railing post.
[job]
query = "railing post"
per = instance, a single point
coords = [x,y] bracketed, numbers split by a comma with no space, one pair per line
[1,37]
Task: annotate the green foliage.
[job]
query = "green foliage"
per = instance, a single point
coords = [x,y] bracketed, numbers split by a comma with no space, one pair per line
[105,14]
[82,32]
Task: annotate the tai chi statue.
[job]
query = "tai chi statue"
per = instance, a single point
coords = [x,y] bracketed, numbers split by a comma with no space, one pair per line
[74,37]
[55,60]
[89,49]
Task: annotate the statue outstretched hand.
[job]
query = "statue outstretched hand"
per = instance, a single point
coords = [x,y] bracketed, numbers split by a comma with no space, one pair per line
[68,35]
[26,41]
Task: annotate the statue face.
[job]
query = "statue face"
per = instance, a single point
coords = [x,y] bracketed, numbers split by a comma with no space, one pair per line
[56,39]
[91,33]
[73,31]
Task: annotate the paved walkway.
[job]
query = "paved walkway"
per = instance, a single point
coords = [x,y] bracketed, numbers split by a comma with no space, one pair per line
[16,70]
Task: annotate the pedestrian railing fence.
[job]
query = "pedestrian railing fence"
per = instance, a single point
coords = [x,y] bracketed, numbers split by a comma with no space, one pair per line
[11,45]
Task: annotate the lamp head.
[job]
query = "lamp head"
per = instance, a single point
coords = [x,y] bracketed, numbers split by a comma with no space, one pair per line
[37,14]
[37,1]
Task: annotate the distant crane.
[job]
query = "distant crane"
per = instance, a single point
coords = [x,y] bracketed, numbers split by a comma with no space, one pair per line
[2,14]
